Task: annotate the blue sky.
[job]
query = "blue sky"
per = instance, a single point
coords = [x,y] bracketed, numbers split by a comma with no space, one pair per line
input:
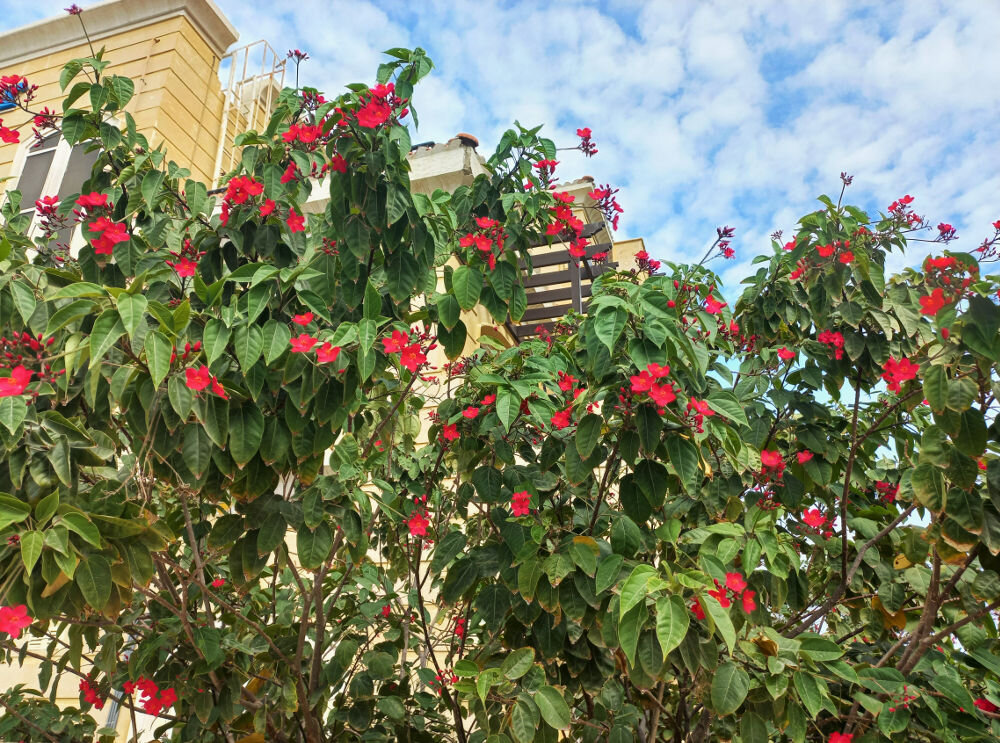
[705,113]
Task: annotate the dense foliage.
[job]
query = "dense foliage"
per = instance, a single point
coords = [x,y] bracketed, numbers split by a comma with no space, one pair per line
[238,495]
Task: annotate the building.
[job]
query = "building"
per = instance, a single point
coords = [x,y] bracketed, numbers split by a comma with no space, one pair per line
[195,90]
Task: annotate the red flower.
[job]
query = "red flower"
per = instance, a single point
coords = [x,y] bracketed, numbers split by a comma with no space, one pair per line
[489,399]
[198,379]
[290,173]
[748,603]
[945,261]
[327,353]
[16,383]
[218,583]
[896,372]
[338,163]
[13,619]
[735,582]
[303,343]
[930,305]
[386,611]
[562,419]
[657,370]
[846,257]
[772,463]
[713,306]
[825,251]
[833,339]
[219,389]
[93,200]
[642,381]
[790,245]
[304,319]
[450,431]
[720,595]
[418,524]
[295,221]
[566,381]
[471,412]
[111,235]
[183,267]
[700,407]
[9,136]
[804,456]
[785,354]
[986,705]
[519,503]
[841,737]
[396,343]
[814,517]
[90,695]
[412,357]
[696,609]
[662,394]
[374,112]
[266,208]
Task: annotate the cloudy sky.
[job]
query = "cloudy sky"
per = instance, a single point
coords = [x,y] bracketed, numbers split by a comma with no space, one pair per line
[705,113]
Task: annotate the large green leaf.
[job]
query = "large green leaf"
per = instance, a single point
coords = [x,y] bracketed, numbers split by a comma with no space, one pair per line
[31,548]
[246,431]
[13,410]
[936,387]
[314,545]
[468,285]
[553,707]
[672,621]
[107,329]
[730,684]
[276,336]
[518,663]
[131,308]
[93,578]
[158,351]
[588,433]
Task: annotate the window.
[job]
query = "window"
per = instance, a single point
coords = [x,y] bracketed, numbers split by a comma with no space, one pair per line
[53,168]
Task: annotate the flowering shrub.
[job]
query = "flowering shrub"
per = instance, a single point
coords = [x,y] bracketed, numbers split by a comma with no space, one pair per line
[775,517]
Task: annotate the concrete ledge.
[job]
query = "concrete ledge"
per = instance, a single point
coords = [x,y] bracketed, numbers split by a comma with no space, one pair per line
[108,19]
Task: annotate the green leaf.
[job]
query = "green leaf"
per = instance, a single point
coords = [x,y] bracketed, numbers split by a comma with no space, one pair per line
[810,692]
[80,524]
[553,707]
[588,433]
[158,350]
[607,572]
[31,548]
[246,430]
[936,387]
[649,424]
[24,299]
[461,577]
[723,624]
[953,690]
[181,396]
[468,285]
[248,344]
[65,315]
[726,404]
[12,412]
[396,203]
[401,273]
[93,578]
[629,629]
[107,329]
[314,545]
[818,648]
[197,449]
[131,308]
[686,460]
[524,719]
[928,486]
[730,685]
[151,183]
[609,324]
[214,340]
[276,336]
[651,477]
[634,589]
[448,310]
[391,707]
[492,604]
[12,510]
[46,507]
[508,406]
[672,621]
[518,663]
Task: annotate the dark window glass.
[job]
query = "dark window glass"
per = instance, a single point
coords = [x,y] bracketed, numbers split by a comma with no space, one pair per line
[33,175]
[78,170]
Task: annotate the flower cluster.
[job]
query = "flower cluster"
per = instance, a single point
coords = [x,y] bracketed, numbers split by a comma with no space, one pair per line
[661,394]
[699,410]
[239,190]
[896,372]
[109,232]
[950,278]
[418,523]
[200,378]
[565,221]
[646,263]
[377,107]
[735,588]
[900,210]
[411,354]
[562,418]
[154,699]
[817,522]
[13,619]
[520,503]
[307,134]
[187,258]
[327,353]
[839,249]
[546,171]
[586,145]
[487,236]
[946,233]
[90,695]
[607,204]
[772,464]
[835,340]
[188,350]
[886,491]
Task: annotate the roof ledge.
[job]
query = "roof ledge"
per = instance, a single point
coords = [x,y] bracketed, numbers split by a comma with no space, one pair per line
[106,19]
